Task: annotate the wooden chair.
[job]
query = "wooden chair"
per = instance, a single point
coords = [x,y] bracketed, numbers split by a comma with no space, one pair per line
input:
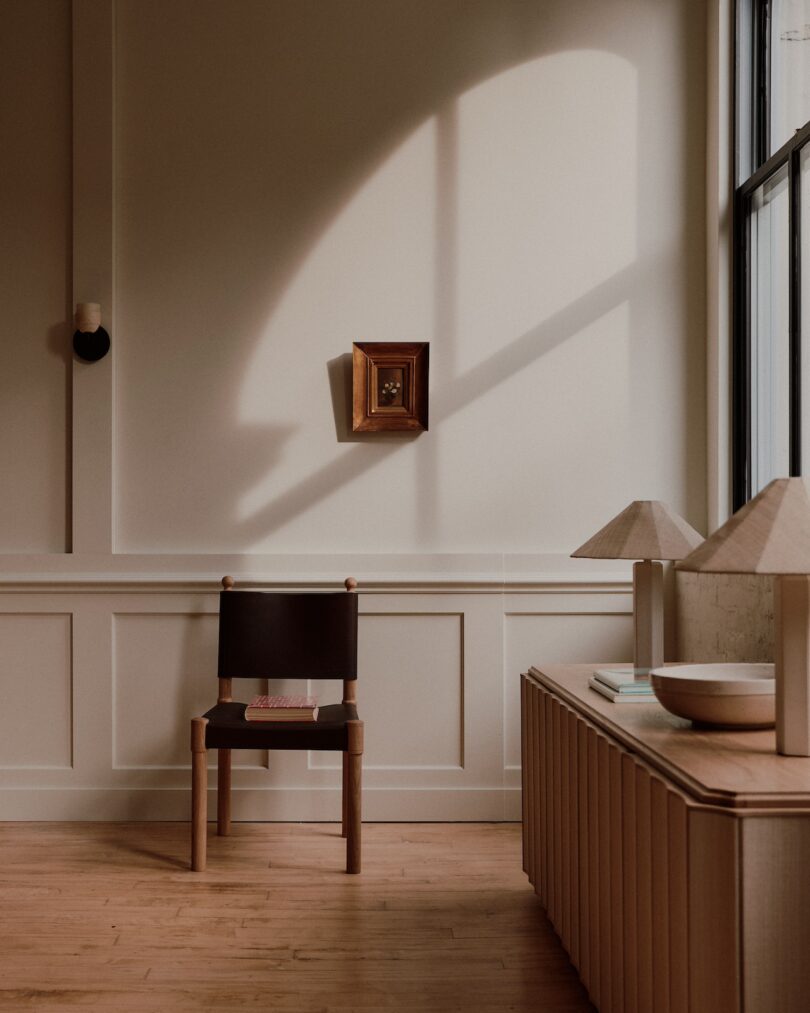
[270,635]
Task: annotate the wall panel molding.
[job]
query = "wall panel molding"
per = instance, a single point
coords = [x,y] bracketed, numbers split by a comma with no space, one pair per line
[93,270]
[379,574]
[36,669]
[143,658]
[603,634]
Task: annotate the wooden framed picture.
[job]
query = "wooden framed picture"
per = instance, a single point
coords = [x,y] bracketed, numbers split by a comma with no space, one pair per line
[389,386]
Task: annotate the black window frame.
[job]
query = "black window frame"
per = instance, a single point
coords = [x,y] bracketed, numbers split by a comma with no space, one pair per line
[753,103]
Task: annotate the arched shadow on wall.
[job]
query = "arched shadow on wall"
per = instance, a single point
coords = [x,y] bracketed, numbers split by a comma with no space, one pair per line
[359,79]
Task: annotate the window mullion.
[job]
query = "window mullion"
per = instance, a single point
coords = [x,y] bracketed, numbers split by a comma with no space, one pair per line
[762,64]
[795,311]
[741,364]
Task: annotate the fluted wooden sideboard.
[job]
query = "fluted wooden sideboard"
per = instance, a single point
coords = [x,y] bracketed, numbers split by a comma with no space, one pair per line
[673,863]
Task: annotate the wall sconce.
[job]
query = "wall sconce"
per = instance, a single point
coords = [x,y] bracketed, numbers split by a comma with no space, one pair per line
[90,341]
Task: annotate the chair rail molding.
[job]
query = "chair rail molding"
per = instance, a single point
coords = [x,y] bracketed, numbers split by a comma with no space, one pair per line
[118,639]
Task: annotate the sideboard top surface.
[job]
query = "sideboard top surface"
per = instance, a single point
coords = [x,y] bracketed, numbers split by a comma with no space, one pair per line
[736,769]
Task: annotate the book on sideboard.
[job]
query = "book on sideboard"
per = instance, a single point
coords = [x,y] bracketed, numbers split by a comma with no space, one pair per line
[282,708]
[623,680]
[623,695]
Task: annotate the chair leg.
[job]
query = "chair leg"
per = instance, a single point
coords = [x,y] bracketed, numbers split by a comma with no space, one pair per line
[223,792]
[345,795]
[199,794]
[354,786]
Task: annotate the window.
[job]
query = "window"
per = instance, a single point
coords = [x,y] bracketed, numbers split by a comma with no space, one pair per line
[771,426]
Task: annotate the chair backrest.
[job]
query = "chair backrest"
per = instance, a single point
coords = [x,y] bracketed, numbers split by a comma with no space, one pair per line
[270,635]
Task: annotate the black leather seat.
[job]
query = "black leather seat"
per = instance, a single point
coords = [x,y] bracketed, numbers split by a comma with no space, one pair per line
[228,729]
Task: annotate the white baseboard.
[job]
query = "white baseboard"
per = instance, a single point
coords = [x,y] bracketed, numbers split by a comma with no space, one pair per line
[283,805]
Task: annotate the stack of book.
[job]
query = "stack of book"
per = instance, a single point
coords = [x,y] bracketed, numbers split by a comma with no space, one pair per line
[282,708]
[621,686]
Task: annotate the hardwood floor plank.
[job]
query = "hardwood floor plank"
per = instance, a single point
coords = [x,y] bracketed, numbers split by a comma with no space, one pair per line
[105,917]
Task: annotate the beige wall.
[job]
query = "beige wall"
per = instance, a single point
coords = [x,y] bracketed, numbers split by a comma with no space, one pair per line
[256,184]
[521,184]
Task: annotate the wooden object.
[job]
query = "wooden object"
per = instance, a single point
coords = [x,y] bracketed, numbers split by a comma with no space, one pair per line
[648,617]
[344,797]
[646,529]
[223,792]
[671,862]
[389,386]
[352,772]
[97,917]
[199,794]
[350,697]
[353,783]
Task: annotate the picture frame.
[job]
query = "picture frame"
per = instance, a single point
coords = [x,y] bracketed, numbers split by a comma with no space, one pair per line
[390,386]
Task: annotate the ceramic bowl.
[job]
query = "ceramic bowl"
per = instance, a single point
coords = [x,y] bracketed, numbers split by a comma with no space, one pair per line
[732,695]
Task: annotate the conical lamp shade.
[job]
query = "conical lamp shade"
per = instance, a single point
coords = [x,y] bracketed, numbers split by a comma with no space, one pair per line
[647,529]
[770,534]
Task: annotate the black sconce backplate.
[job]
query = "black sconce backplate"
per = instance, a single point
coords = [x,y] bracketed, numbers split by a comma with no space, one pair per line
[91,345]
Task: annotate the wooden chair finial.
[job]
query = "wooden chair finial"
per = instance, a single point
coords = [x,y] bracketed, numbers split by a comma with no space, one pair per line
[227,583]
[350,583]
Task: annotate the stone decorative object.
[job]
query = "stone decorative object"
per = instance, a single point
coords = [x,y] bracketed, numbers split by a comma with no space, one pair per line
[771,535]
[723,617]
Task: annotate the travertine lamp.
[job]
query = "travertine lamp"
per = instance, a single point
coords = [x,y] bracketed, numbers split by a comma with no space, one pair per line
[646,531]
[771,535]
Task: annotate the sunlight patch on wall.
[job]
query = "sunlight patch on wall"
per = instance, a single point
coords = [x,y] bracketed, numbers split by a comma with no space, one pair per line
[502,214]
[547,193]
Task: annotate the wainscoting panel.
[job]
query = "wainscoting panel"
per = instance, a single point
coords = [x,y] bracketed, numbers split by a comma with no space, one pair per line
[36,719]
[108,674]
[573,630]
[411,670]
[165,670]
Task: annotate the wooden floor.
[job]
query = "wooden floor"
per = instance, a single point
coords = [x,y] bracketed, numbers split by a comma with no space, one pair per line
[107,917]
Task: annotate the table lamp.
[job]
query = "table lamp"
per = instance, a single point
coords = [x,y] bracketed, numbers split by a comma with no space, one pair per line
[646,531]
[771,535]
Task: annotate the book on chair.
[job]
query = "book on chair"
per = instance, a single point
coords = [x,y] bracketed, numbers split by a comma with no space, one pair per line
[282,708]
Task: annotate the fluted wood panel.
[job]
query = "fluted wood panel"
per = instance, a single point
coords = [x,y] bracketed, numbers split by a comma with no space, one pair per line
[614,879]
[714,914]
[603,870]
[660,924]
[629,884]
[665,902]
[678,908]
[776,899]
[606,849]
[574,833]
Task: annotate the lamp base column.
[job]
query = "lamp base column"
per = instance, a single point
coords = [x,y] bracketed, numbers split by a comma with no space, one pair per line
[792,656]
[648,617]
